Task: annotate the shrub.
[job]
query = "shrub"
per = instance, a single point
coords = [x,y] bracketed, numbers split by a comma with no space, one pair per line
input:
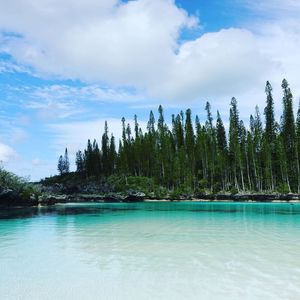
[203,184]
[216,188]
[283,189]
[135,183]
[11,181]
[175,194]
[234,190]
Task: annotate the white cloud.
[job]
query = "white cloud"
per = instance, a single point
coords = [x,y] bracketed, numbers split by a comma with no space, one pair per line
[80,94]
[61,101]
[8,66]
[274,8]
[52,109]
[136,44]
[221,63]
[123,43]
[7,153]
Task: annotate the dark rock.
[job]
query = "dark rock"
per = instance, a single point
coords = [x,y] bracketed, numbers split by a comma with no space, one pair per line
[134,196]
[48,200]
[9,197]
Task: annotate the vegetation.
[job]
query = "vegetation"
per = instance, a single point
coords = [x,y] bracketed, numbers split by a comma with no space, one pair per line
[63,165]
[202,157]
[10,181]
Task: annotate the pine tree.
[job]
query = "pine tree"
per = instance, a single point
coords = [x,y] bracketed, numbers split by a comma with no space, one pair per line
[190,147]
[288,131]
[211,144]
[112,155]
[257,143]
[222,151]
[269,115]
[298,145]
[60,165]
[80,168]
[105,150]
[195,157]
[63,165]
[66,162]
[161,144]
[89,163]
[269,139]
[97,160]
[234,148]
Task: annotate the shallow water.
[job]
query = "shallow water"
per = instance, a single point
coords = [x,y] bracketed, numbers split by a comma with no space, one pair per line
[151,251]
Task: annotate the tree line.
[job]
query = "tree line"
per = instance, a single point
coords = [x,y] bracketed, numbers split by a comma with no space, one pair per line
[194,156]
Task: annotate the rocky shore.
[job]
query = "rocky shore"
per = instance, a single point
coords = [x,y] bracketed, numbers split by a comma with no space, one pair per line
[55,194]
[10,197]
[141,197]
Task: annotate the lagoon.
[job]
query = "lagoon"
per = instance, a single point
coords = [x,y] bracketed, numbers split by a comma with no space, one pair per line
[154,250]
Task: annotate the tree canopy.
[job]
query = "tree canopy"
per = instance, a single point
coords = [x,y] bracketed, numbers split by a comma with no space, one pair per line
[194,156]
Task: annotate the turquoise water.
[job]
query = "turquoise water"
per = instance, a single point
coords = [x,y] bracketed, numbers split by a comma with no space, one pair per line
[151,251]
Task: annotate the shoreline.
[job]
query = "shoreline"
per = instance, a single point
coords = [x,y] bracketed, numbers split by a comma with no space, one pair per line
[40,205]
[96,198]
[53,199]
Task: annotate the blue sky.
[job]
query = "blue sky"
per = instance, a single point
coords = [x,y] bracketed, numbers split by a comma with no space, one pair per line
[66,67]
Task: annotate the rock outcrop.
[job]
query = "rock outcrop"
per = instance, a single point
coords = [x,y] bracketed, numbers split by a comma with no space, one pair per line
[9,197]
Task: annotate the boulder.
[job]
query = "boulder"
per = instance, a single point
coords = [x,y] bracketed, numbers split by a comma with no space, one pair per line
[9,197]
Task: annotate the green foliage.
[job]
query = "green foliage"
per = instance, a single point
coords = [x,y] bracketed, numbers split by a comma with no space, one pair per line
[71,177]
[200,192]
[234,191]
[203,184]
[63,165]
[283,188]
[29,190]
[187,156]
[11,181]
[216,188]
[181,191]
[134,183]
[175,194]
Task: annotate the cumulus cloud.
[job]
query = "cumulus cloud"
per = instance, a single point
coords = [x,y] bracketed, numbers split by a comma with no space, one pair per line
[124,43]
[132,44]
[7,153]
[215,64]
[137,44]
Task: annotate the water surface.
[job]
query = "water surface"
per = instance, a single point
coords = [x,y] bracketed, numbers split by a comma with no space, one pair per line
[151,251]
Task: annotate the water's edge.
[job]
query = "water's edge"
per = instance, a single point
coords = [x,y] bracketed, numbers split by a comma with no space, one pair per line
[51,200]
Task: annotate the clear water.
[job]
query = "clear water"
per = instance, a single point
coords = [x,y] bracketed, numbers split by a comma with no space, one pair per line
[151,251]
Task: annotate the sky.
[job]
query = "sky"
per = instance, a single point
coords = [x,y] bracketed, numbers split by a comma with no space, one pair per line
[67,66]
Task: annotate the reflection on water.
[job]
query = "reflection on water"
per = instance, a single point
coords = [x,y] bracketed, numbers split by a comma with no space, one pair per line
[96,209]
[184,250]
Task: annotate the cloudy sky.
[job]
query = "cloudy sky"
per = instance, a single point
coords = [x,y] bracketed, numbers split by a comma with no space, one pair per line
[67,66]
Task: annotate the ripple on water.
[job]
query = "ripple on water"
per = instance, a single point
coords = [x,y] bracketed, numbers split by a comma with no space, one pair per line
[151,251]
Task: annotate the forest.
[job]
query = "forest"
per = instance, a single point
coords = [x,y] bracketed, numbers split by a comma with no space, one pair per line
[190,156]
